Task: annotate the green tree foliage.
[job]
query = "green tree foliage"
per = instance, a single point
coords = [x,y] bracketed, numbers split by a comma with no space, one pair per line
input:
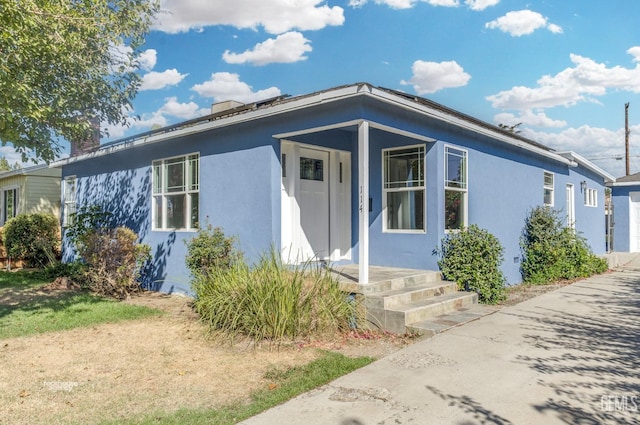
[32,238]
[551,251]
[62,64]
[5,166]
[473,257]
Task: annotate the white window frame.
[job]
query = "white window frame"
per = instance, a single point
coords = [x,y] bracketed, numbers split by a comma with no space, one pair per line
[590,197]
[160,191]
[454,186]
[69,193]
[549,187]
[16,191]
[421,150]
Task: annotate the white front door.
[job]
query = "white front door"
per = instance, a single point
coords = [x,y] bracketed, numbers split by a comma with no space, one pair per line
[571,207]
[316,204]
[313,200]
[634,225]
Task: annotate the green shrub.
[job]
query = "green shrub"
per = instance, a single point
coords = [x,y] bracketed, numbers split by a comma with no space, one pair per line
[32,238]
[114,261]
[551,251]
[209,249]
[86,220]
[473,257]
[271,301]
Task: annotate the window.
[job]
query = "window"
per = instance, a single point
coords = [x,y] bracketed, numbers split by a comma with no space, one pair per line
[455,188]
[69,198]
[403,189]
[590,197]
[10,204]
[548,189]
[176,193]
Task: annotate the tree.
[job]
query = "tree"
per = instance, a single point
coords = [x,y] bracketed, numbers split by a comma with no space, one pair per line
[64,64]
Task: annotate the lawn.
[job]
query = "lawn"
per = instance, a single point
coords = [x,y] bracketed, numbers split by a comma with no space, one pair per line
[27,308]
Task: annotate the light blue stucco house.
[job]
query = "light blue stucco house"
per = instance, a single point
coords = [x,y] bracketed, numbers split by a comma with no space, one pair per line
[351,175]
[625,198]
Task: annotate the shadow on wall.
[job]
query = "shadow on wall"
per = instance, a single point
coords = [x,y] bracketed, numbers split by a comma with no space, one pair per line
[126,195]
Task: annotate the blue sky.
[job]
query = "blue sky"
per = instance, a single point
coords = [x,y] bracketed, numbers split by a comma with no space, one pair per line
[562,68]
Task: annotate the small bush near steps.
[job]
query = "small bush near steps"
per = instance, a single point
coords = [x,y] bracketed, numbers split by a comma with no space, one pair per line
[473,257]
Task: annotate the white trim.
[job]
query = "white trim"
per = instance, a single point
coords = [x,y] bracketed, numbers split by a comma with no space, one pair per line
[164,193]
[588,165]
[570,195]
[545,187]
[363,203]
[422,188]
[464,191]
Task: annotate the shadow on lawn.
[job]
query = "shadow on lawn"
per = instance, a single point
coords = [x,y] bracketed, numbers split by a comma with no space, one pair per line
[43,302]
[593,358]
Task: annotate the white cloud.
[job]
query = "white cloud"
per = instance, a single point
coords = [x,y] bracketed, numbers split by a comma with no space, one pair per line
[603,146]
[480,4]
[529,118]
[406,4]
[158,80]
[275,16]
[477,5]
[184,111]
[570,86]
[429,77]
[227,86]
[147,59]
[635,52]
[522,22]
[286,48]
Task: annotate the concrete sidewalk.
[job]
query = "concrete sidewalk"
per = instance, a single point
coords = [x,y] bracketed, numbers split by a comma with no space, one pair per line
[571,356]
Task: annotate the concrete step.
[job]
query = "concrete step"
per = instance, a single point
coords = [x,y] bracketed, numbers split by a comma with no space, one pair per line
[394,297]
[421,277]
[438,324]
[395,319]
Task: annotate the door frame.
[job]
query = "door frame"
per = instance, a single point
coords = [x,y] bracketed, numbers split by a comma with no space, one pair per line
[339,175]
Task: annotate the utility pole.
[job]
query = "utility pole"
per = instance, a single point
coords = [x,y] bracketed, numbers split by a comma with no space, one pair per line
[626,136]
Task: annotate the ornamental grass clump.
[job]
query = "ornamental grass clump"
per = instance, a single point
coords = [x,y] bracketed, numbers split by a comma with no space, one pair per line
[472,258]
[272,302]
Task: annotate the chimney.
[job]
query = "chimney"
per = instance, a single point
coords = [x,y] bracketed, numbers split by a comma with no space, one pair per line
[224,106]
[91,143]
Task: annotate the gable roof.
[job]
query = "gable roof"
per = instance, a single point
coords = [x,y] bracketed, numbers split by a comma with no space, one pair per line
[631,180]
[283,104]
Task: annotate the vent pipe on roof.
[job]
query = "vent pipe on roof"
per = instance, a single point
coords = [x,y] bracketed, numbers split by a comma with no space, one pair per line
[224,106]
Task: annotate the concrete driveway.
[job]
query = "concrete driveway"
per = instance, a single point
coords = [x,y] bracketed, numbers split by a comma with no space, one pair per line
[571,356]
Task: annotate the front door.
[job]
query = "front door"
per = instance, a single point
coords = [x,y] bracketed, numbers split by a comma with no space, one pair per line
[313,201]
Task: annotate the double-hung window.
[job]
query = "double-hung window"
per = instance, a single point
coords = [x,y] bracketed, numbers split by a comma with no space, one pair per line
[10,203]
[403,189]
[69,199]
[548,189]
[455,188]
[590,197]
[176,187]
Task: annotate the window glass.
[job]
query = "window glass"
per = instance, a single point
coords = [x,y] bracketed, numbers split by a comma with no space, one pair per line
[454,209]
[176,184]
[548,188]
[455,168]
[404,186]
[311,169]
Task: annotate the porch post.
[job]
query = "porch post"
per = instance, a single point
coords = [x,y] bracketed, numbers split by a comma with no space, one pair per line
[363,202]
